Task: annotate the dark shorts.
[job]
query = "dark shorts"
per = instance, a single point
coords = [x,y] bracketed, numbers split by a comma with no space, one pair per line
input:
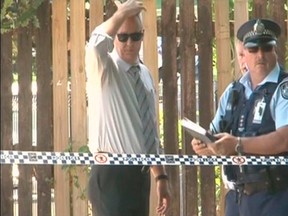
[259,204]
[119,191]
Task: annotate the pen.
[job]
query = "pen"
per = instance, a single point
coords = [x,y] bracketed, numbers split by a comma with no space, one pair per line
[214,131]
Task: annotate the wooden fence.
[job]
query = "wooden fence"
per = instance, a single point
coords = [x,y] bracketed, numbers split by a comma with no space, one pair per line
[54,117]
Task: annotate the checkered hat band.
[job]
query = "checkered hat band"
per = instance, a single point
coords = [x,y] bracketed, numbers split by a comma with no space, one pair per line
[266,32]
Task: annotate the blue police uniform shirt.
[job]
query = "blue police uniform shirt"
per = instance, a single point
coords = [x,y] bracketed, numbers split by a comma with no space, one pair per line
[278,104]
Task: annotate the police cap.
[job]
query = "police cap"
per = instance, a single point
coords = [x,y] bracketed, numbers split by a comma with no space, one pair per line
[259,32]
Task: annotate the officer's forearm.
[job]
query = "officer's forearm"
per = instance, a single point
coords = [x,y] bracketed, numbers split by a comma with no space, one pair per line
[269,144]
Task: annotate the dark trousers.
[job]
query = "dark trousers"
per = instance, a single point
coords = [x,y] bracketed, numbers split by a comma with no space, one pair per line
[259,204]
[119,191]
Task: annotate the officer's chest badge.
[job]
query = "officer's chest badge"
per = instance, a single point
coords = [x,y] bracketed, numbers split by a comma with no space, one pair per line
[284,90]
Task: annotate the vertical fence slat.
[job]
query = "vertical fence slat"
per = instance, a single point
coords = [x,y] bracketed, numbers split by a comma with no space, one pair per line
[259,8]
[44,106]
[170,109]
[205,37]
[60,102]
[223,56]
[78,100]
[96,15]
[150,59]
[188,98]
[277,12]
[6,122]
[240,16]
[150,43]
[222,35]
[96,8]
[110,8]
[24,69]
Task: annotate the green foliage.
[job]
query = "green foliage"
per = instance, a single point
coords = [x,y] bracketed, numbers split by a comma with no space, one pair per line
[84,149]
[218,181]
[75,171]
[15,14]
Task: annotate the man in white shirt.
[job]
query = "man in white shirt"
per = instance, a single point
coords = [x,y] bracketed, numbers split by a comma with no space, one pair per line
[122,116]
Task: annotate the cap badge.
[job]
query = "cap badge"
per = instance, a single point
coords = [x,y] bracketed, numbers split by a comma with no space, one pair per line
[259,27]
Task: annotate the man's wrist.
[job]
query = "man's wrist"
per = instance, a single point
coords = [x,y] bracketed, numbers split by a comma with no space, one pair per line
[239,146]
[161,177]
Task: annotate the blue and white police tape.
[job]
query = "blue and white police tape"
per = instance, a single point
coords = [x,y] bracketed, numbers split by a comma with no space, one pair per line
[80,158]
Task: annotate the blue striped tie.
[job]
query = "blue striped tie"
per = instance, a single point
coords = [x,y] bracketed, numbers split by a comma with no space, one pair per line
[144,112]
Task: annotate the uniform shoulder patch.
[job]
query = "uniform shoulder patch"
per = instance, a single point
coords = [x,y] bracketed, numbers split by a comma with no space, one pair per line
[284,89]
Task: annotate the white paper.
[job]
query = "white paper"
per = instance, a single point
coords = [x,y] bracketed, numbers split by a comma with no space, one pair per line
[197,131]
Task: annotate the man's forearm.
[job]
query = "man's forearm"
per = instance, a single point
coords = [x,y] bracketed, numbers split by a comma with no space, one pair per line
[269,144]
[158,170]
[112,25]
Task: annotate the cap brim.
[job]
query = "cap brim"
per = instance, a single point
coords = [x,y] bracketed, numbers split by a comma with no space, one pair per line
[259,43]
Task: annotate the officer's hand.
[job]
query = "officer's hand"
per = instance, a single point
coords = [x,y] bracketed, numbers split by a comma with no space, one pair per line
[225,144]
[200,148]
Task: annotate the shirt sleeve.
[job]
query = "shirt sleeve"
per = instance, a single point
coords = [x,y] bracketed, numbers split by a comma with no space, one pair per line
[97,51]
[279,105]
[101,39]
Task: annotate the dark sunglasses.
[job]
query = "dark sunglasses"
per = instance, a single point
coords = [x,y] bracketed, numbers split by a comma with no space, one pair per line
[267,48]
[123,37]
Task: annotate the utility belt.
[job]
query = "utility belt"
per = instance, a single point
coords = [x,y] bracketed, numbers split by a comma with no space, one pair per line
[273,180]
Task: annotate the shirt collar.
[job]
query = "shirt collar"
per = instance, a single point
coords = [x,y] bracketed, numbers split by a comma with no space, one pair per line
[123,66]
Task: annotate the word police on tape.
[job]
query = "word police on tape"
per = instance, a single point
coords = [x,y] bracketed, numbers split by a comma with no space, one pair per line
[82,158]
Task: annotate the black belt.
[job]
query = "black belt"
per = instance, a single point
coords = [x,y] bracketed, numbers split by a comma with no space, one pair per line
[254,187]
[273,183]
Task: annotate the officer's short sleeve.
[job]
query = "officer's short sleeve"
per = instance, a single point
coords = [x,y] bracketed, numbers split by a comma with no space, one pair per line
[279,104]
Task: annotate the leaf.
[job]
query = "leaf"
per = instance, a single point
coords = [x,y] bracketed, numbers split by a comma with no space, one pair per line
[16,14]
[84,149]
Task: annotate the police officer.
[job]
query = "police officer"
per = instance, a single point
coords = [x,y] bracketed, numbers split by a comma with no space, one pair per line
[252,119]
